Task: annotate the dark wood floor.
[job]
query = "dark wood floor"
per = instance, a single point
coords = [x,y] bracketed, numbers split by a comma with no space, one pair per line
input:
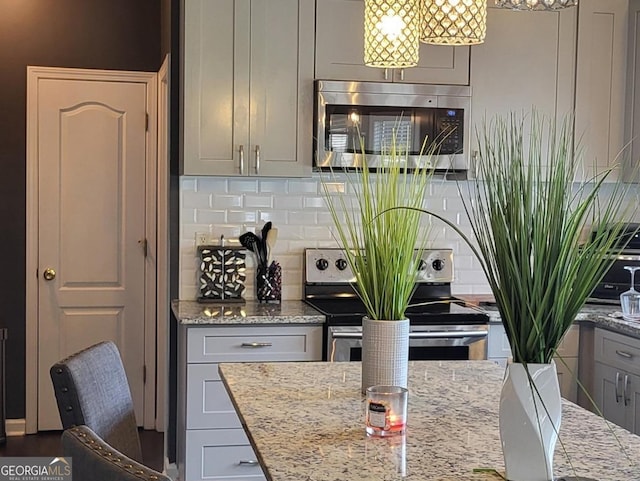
[47,443]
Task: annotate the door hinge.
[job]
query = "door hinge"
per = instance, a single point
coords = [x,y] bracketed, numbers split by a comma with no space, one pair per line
[144,374]
[145,246]
[146,122]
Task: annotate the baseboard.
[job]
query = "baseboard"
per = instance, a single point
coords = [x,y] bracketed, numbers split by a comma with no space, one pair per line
[16,427]
[170,469]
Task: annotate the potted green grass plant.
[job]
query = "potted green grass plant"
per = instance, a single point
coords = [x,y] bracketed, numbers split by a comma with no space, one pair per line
[528,214]
[382,246]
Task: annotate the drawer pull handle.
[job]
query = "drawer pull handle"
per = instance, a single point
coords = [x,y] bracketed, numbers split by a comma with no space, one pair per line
[624,354]
[257,344]
[247,462]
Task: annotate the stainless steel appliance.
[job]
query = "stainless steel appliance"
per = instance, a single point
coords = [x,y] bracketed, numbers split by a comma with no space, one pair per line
[441,326]
[617,279]
[423,117]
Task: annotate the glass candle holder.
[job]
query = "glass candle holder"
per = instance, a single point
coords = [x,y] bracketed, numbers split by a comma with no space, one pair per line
[386,410]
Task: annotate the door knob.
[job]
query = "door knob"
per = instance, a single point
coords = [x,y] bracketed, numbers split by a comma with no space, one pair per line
[49,274]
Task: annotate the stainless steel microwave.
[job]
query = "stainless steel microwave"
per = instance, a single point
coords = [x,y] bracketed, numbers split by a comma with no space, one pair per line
[432,121]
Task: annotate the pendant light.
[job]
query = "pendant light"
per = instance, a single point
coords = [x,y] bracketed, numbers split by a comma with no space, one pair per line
[536,4]
[453,22]
[391,33]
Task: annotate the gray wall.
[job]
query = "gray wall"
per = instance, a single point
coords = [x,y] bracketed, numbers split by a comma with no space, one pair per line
[105,34]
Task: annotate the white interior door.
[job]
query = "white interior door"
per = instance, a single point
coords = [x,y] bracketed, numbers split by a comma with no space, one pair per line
[91,222]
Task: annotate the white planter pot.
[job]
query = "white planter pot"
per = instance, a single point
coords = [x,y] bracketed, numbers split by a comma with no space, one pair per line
[385,353]
[530,418]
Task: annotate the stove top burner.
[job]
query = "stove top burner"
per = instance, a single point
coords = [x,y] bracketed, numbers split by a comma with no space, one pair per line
[328,288]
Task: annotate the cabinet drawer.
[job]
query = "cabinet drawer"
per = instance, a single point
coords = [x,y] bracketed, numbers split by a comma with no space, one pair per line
[247,344]
[208,404]
[219,455]
[617,350]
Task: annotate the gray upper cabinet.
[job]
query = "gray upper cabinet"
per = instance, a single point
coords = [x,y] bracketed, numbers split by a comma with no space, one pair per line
[632,114]
[526,61]
[340,51]
[601,85]
[248,87]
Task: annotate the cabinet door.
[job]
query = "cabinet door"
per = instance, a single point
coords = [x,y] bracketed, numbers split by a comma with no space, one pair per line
[632,118]
[216,86]
[281,87]
[208,404]
[340,51]
[601,84]
[633,403]
[608,393]
[526,60]
[498,347]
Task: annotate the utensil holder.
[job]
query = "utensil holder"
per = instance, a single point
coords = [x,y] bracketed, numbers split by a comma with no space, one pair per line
[269,283]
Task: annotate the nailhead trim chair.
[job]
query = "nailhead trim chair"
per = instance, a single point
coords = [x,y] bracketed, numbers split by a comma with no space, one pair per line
[95,460]
[91,389]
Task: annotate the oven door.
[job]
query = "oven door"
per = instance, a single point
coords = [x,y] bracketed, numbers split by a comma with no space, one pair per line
[426,343]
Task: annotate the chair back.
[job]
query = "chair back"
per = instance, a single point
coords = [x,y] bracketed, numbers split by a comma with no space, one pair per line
[95,460]
[91,388]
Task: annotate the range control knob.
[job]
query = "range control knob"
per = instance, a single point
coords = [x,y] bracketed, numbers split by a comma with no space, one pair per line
[341,264]
[422,265]
[322,264]
[437,265]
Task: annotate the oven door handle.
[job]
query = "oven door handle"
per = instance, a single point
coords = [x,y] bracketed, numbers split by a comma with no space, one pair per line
[446,334]
[419,335]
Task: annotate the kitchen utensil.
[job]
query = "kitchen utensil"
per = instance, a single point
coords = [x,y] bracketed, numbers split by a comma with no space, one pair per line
[272,236]
[265,232]
[250,241]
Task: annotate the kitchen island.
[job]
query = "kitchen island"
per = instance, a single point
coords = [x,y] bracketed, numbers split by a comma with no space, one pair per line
[306,422]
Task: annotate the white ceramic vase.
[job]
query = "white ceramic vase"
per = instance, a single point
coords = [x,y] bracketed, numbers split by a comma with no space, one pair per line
[385,353]
[530,416]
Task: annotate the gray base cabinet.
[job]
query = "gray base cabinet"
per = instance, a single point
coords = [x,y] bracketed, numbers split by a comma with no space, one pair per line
[211,443]
[616,389]
[499,351]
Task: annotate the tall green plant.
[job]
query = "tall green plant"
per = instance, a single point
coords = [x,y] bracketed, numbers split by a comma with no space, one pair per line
[529,216]
[381,242]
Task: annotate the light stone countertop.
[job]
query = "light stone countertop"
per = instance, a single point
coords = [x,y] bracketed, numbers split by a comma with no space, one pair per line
[250,312]
[306,422]
[600,315]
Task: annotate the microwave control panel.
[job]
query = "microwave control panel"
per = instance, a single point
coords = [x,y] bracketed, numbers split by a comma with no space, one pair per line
[449,130]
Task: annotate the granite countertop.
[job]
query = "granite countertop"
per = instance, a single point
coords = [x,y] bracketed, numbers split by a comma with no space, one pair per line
[306,422]
[250,312]
[606,316]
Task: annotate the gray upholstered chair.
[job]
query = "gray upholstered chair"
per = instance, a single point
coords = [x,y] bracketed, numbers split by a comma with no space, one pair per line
[91,388]
[95,460]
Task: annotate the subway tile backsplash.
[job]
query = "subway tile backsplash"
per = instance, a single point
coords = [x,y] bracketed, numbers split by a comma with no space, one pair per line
[230,206]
